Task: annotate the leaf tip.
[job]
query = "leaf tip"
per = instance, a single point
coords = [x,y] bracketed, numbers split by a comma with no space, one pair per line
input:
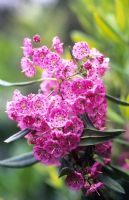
[7,140]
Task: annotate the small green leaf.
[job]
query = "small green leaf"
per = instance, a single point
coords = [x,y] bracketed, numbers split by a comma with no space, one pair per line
[88,123]
[18,135]
[21,161]
[116,100]
[65,171]
[92,136]
[112,184]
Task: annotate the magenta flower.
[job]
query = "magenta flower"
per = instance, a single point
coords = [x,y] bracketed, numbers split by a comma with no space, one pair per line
[75,181]
[94,188]
[80,50]
[36,38]
[51,62]
[27,47]
[58,117]
[28,67]
[71,93]
[75,125]
[39,55]
[57,45]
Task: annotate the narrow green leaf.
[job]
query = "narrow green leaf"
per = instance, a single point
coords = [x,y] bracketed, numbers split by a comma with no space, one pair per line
[97,133]
[116,100]
[93,141]
[120,173]
[21,161]
[94,137]
[88,122]
[107,30]
[78,36]
[116,172]
[9,84]
[18,135]
[122,141]
[113,116]
[65,171]
[112,184]
[120,14]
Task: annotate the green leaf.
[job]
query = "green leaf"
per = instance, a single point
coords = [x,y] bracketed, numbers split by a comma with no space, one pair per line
[119,172]
[107,30]
[93,141]
[88,123]
[21,161]
[78,36]
[65,171]
[115,117]
[116,100]
[92,137]
[122,141]
[97,133]
[9,84]
[120,14]
[112,184]
[82,15]
[18,135]
[125,110]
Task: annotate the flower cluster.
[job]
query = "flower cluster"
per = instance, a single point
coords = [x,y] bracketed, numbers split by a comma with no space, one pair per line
[69,90]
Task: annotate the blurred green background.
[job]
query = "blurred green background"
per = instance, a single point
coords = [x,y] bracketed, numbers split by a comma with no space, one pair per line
[104,24]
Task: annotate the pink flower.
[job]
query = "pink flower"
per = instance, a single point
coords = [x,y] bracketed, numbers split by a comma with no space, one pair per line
[71,141]
[27,47]
[23,105]
[39,103]
[54,148]
[94,187]
[28,121]
[66,91]
[27,67]
[75,125]
[88,65]
[75,181]
[95,169]
[57,117]
[47,86]
[66,69]
[51,62]
[42,155]
[57,45]
[10,108]
[36,38]
[41,124]
[39,55]
[80,50]
[79,105]
[80,86]
[54,114]
[104,149]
